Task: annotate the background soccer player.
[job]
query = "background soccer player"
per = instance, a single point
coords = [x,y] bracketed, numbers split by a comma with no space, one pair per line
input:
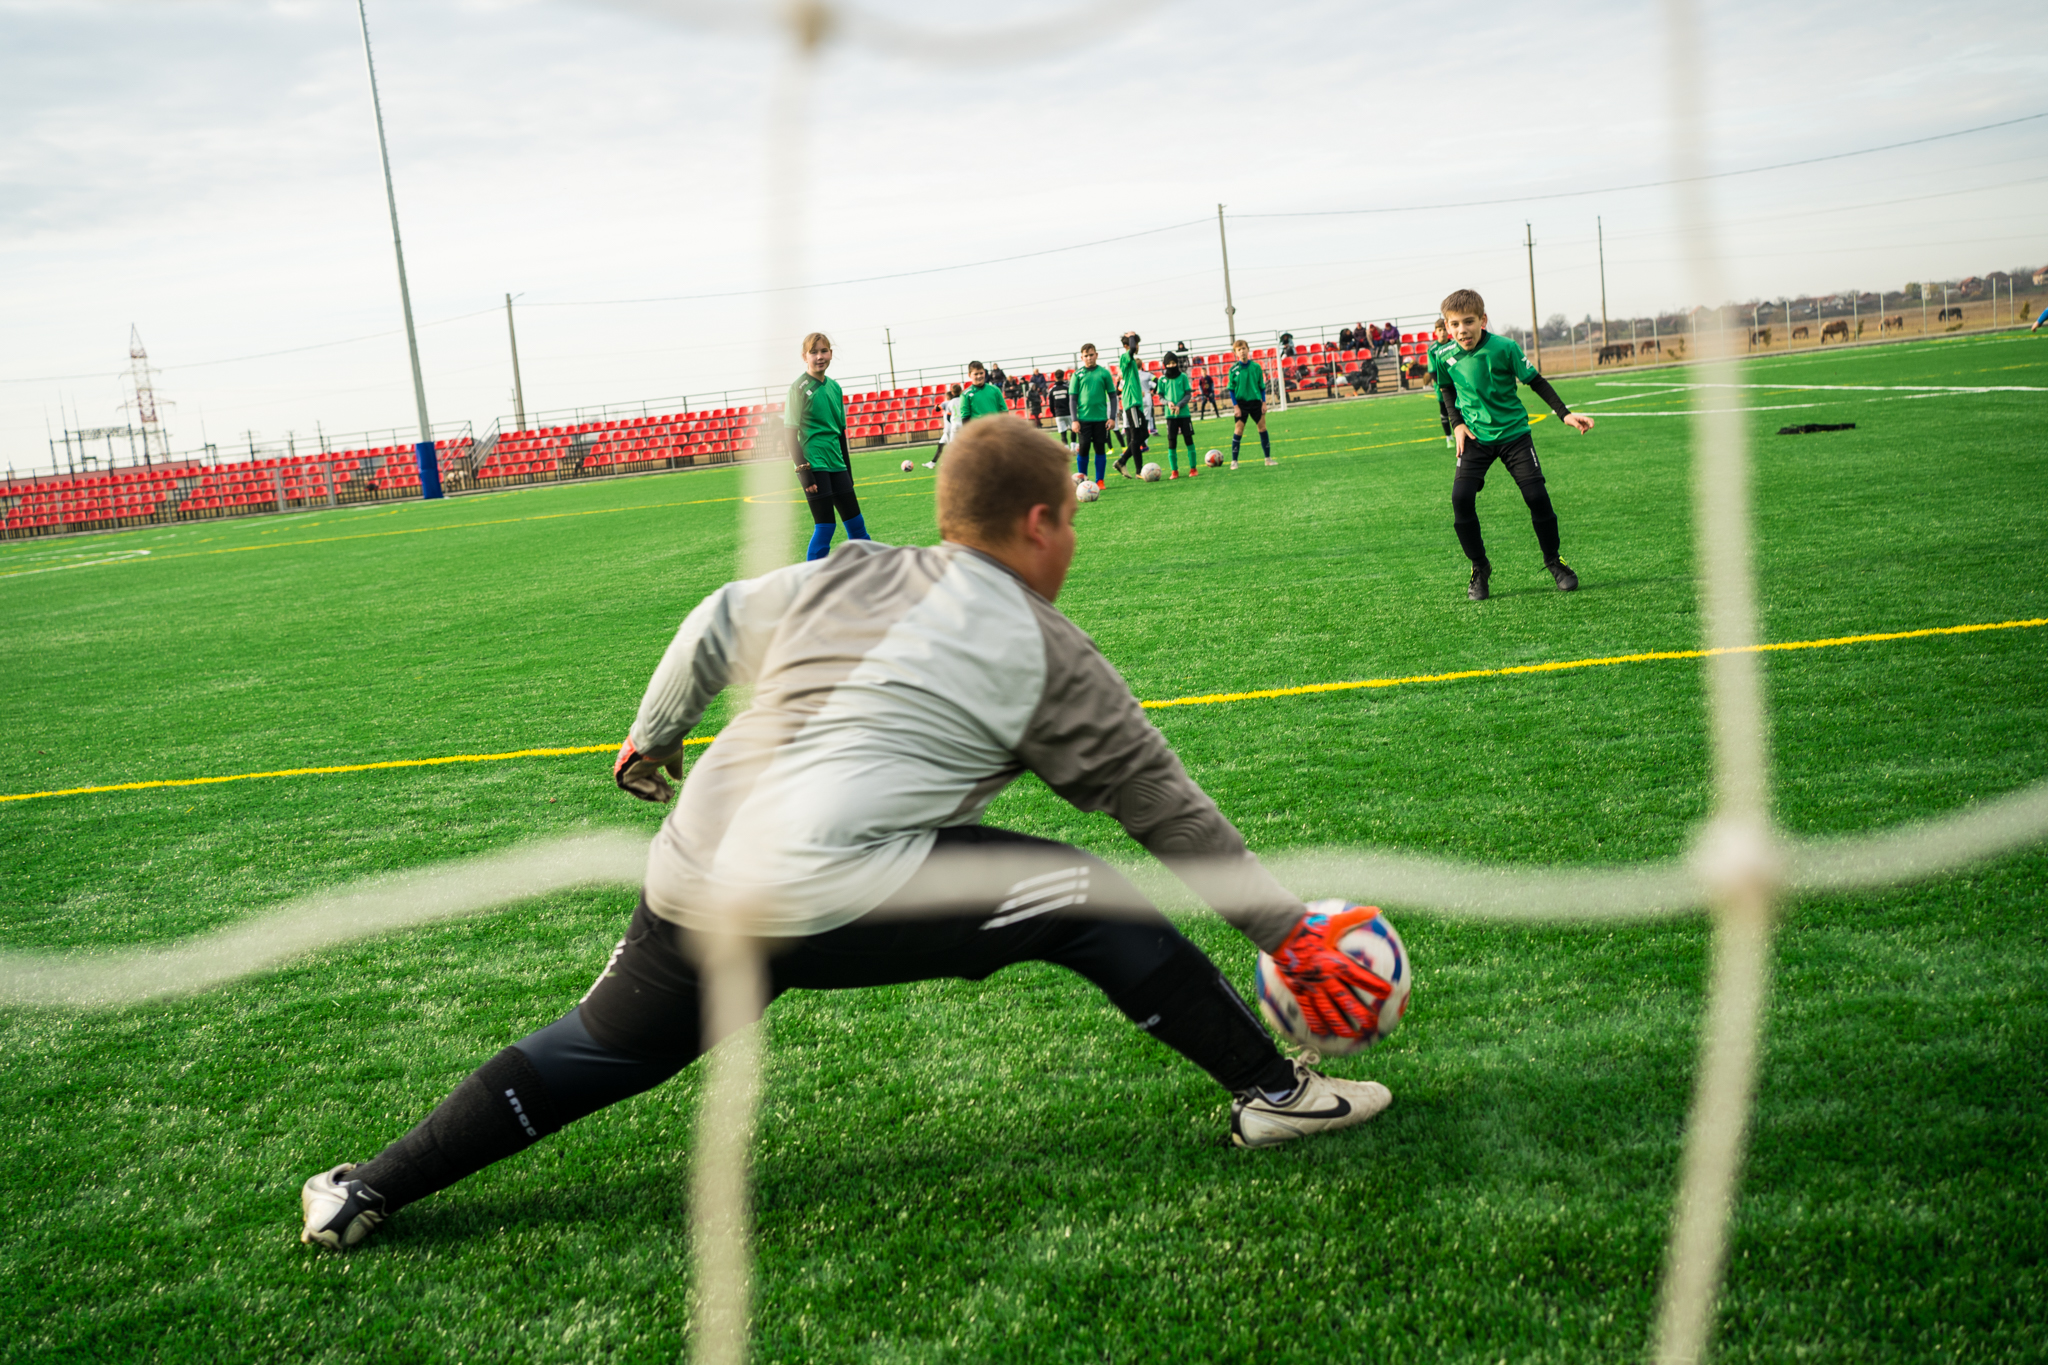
[980,398]
[949,427]
[1173,398]
[1481,375]
[1061,400]
[1247,382]
[897,690]
[814,414]
[1092,387]
[1441,347]
[1131,393]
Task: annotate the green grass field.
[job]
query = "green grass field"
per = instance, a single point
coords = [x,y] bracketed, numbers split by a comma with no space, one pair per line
[1008,1171]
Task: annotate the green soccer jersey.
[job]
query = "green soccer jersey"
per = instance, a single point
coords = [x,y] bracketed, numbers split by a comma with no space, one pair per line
[980,400]
[816,411]
[1441,353]
[1483,383]
[1091,386]
[1248,381]
[1131,379]
[1173,392]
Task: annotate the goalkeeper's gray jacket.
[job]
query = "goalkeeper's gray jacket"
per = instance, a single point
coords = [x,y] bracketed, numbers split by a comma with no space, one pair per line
[898,689]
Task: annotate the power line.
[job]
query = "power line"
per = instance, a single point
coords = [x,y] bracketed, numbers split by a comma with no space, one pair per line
[1649,184]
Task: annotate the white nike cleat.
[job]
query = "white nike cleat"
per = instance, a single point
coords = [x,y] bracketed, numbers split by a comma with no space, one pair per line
[340,1212]
[1319,1104]
[928,464]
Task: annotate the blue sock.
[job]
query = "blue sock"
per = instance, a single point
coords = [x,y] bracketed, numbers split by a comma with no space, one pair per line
[1101,464]
[1236,440]
[1266,443]
[1080,462]
[821,540]
[857,529]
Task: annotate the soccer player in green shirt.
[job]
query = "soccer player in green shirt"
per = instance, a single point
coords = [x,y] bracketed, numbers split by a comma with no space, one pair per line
[1174,389]
[978,399]
[1479,380]
[1442,349]
[1090,386]
[1248,397]
[1130,372]
[815,417]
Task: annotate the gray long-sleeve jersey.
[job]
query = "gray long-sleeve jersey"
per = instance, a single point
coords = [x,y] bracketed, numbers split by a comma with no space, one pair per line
[897,691]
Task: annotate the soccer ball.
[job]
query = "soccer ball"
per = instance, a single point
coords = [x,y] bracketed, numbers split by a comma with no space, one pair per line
[1373,945]
[1086,491]
[1150,473]
[1213,458]
[907,466]
[1079,477]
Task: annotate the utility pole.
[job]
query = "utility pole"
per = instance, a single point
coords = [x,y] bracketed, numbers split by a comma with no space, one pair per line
[1600,232]
[518,389]
[1535,318]
[889,341]
[1229,308]
[423,451]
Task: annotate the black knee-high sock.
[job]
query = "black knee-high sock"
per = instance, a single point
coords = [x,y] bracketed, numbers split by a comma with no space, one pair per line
[502,1108]
[1186,1004]
[1465,521]
[1266,442]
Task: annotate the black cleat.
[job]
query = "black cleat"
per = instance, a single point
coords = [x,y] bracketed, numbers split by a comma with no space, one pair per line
[1567,581]
[1476,589]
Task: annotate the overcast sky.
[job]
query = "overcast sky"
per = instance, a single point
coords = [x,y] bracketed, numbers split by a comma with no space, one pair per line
[208,173]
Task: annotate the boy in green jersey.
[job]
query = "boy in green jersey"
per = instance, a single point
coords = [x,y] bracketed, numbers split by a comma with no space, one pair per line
[1174,389]
[815,417]
[979,399]
[1442,348]
[1130,373]
[1090,387]
[1248,396]
[1478,382]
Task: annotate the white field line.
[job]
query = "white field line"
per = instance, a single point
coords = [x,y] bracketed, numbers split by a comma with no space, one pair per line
[115,558]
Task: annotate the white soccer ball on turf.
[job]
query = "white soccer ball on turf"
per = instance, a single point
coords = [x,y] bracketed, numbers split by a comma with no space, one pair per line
[1086,491]
[1151,473]
[1213,458]
[1079,477]
[907,466]
[1373,945]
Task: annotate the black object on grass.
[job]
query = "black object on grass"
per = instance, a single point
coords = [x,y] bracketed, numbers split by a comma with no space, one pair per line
[1816,426]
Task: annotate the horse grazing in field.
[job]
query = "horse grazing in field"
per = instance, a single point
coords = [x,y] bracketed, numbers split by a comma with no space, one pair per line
[1648,346]
[1895,323]
[1617,352]
[1948,313]
[1801,331]
[1760,337]
[1835,329]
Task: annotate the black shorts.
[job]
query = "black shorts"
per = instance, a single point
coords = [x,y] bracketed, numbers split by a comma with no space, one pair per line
[835,494]
[1093,430]
[647,1005]
[1250,409]
[1183,426]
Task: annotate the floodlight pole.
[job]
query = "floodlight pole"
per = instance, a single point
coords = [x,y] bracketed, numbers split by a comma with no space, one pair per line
[423,451]
[1535,318]
[518,389]
[1600,232]
[1229,308]
[889,342]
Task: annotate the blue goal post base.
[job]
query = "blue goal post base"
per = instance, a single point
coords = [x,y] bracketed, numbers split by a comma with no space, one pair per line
[430,469]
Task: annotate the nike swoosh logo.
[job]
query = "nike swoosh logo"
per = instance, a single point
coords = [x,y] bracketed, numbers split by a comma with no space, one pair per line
[1343,1108]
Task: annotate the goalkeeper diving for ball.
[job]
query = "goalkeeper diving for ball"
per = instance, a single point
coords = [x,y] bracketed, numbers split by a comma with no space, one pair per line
[897,690]
[1476,377]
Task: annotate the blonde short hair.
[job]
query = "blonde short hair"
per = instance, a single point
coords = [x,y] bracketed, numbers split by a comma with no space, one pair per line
[994,473]
[813,340]
[1461,301]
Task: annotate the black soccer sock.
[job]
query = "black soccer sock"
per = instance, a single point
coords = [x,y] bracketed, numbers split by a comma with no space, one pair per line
[1544,519]
[1266,443]
[1236,440]
[1465,520]
[502,1108]
[1186,1004]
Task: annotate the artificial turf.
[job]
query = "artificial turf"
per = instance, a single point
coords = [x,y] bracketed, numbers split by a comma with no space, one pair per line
[1008,1170]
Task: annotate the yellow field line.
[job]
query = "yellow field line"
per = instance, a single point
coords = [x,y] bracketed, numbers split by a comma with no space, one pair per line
[1206,699]
[339,768]
[1214,698]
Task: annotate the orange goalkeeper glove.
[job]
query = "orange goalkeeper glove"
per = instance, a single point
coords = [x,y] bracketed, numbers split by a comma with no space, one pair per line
[1339,998]
[641,774]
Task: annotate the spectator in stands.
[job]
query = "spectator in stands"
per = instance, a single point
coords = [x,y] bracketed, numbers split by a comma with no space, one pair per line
[1180,349]
[1034,401]
[1390,337]
[997,377]
[1344,340]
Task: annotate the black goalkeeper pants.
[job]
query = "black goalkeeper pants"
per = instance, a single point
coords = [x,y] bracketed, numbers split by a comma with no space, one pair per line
[643,1020]
[1519,456]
